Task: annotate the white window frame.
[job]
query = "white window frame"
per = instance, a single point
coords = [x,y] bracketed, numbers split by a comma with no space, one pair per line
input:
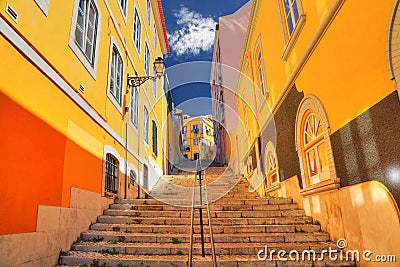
[114,46]
[154,138]
[137,31]
[196,141]
[43,5]
[90,67]
[134,117]
[148,8]
[146,119]
[312,185]
[146,59]
[270,153]
[123,11]
[155,36]
[154,81]
[322,172]
[291,37]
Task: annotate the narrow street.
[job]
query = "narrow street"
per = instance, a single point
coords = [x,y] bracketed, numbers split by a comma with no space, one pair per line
[199,133]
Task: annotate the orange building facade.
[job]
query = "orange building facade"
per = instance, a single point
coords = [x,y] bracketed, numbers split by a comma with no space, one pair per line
[198,137]
[319,105]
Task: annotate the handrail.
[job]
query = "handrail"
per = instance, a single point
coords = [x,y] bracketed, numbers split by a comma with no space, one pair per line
[199,175]
[190,260]
[209,223]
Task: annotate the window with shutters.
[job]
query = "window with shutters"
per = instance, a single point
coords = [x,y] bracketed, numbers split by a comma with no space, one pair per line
[134,107]
[154,139]
[123,4]
[145,125]
[115,77]
[293,19]
[132,178]
[137,30]
[85,32]
[146,59]
[148,8]
[86,28]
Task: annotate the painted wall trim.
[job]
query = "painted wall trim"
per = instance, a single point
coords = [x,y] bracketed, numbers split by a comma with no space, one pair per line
[10,34]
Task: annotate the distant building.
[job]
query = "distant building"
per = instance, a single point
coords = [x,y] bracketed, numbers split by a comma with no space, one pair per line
[229,39]
[198,137]
[175,123]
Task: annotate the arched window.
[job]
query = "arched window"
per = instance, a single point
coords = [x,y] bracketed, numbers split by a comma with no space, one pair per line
[393,38]
[313,145]
[271,165]
[259,68]
[112,174]
[132,177]
[314,149]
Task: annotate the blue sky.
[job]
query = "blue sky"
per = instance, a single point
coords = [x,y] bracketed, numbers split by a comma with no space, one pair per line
[191,28]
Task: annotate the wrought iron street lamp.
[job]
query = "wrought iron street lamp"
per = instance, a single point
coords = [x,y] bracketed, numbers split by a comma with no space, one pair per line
[159,67]
[135,81]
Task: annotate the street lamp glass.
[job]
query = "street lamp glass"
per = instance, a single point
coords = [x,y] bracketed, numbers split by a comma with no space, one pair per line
[159,66]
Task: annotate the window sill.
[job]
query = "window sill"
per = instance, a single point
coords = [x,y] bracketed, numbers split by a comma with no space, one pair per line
[110,195]
[145,144]
[82,58]
[293,38]
[123,14]
[134,127]
[114,102]
[321,187]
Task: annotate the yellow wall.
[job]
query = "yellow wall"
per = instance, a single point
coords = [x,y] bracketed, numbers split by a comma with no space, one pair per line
[340,56]
[190,136]
[83,138]
[344,41]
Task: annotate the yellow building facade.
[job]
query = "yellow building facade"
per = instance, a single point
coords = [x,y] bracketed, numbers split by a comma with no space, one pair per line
[198,137]
[75,134]
[319,104]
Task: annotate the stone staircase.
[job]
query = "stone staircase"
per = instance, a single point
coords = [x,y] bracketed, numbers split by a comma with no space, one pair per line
[148,232]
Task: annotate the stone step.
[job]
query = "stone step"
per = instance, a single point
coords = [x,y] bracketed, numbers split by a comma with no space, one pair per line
[156,207]
[215,221]
[220,248]
[240,200]
[214,207]
[77,258]
[214,214]
[92,235]
[155,231]
[217,229]
[141,201]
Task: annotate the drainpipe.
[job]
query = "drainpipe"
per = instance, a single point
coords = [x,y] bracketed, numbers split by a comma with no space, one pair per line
[126,153]
[257,135]
[138,175]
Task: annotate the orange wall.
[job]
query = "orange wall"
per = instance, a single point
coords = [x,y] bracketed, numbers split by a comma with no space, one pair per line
[32,154]
[81,170]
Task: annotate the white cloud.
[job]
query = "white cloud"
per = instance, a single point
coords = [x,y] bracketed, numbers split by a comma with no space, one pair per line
[195,33]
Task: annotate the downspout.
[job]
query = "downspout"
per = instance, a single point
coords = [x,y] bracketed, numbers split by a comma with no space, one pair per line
[257,134]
